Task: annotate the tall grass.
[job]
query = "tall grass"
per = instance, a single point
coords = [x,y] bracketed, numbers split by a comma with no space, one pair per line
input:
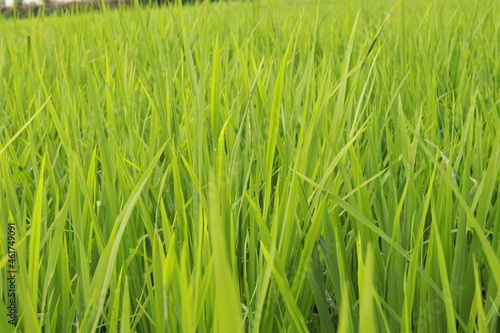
[263,167]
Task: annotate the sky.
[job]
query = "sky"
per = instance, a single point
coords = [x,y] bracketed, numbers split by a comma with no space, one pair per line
[10,3]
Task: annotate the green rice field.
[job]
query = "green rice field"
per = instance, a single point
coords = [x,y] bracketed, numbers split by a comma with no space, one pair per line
[257,166]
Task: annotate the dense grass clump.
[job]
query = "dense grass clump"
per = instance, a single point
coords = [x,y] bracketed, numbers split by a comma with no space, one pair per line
[229,167]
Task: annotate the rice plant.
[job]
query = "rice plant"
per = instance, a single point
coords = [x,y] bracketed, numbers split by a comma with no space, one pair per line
[252,167]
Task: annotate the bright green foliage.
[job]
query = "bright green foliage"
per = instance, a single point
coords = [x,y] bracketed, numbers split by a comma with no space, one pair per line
[255,166]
